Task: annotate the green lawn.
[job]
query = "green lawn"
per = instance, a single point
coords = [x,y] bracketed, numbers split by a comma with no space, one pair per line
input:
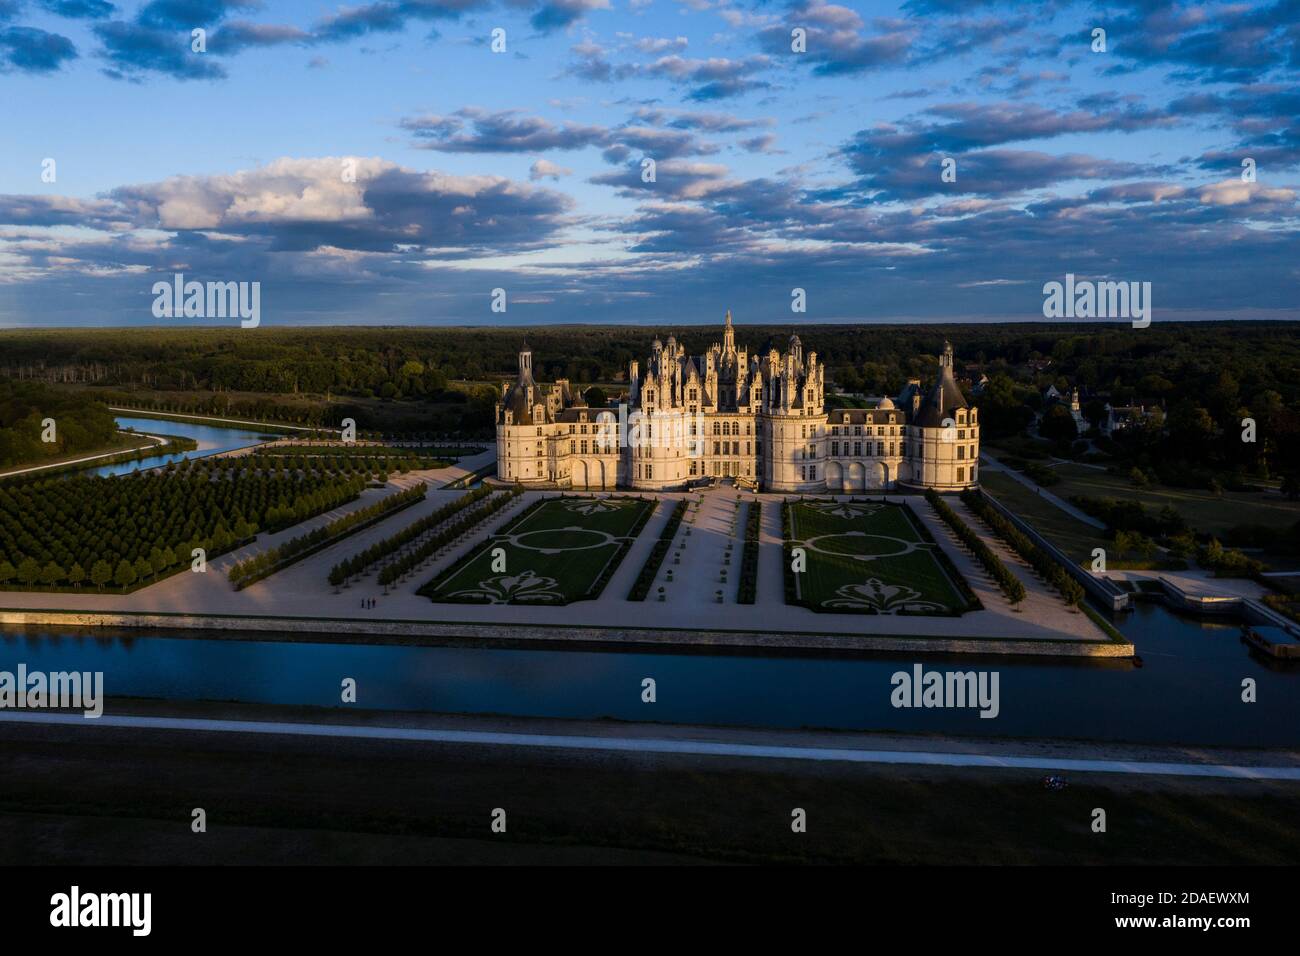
[868,558]
[1203,510]
[1066,532]
[555,555]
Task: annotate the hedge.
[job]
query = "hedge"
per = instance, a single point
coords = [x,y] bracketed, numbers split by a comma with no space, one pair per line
[1010,584]
[655,559]
[1040,560]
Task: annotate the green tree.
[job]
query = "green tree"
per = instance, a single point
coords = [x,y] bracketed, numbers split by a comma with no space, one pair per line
[76,574]
[7,572]
[101,572]
[28,571]
[125,574]
[51,574]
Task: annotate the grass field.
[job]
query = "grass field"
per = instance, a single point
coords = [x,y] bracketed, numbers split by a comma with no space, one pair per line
[1066,532]
[557,554]
[867,557]
[1204,510]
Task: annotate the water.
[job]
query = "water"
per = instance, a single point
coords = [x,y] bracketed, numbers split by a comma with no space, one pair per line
[1188,692]
[212,440]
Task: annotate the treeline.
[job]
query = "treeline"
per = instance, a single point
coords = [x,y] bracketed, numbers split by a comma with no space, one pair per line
[1207,375]
[81,424]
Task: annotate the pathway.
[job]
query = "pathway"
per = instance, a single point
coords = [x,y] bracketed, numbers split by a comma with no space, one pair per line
[667,745]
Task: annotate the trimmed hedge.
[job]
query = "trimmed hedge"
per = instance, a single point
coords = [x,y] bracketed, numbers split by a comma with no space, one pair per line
[259,566]
[348,567]
[1010,584]
[1040,560]
[748,590]
[406,562]
[655,559]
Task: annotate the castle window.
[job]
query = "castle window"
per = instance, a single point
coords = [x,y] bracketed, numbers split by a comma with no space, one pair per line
[891,449]
[650,396]
[835,449]
[812,472]
[583,429]
[857,430]
[584,448]
[961,474]
[692,467]
[573,447]
[746,448]
[539,431]
[749,429]
[717,429]
[961,434]
[857,449]
[715,448]
[649,471]
[693,428]
[961,452]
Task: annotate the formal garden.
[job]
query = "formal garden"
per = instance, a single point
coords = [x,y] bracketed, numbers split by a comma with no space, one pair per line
[557,551]
[867,557]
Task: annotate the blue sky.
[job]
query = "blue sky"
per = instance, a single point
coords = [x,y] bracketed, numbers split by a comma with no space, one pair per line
[521,170]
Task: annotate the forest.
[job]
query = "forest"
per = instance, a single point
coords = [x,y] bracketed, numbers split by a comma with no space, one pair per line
[81,424]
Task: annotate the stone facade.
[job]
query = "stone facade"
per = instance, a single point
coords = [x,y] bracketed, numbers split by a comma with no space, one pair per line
[758,419]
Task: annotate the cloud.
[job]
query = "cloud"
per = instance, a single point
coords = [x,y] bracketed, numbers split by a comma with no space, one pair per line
[188,14]
[545,169]
[133,50]
[501,132]
[836,39]
[1236,43]
[474,130]
[557,14]
[79,9]
[712,79]
[239,35]
[29,50]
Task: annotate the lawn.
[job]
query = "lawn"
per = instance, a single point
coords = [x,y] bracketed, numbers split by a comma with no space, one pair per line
[1204,510]
[868,557]
[563,550]
[1066,532]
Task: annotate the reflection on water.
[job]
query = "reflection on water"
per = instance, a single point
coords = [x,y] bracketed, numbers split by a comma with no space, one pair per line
[1189,690]
[212,440]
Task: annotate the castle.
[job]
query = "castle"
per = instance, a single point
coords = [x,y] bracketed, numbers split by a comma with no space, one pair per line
[758,419]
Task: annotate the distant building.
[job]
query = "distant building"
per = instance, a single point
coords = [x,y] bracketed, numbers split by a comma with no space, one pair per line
[759,420]
[1119,417]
